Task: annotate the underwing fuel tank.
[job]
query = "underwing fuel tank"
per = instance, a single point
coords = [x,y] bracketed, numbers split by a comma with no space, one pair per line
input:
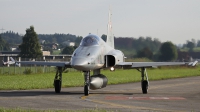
[98,81]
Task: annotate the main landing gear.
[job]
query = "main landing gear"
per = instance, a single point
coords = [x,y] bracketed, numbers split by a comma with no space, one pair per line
[144,81]
[87,83]
[58,80]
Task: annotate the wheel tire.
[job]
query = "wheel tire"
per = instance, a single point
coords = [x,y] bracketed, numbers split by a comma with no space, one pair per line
[144,87]
[57,86]
[86,90]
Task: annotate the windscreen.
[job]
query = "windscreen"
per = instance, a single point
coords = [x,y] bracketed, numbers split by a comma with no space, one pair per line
[90,40]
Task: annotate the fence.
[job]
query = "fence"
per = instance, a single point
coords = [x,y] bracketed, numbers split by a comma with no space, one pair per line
[33,69]
[15,70]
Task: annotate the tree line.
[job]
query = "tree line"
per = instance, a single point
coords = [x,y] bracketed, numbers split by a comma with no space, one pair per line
[120,42]
[146,47]
[14,38]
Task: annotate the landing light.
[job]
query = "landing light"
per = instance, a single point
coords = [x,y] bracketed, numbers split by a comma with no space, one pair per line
[112,69]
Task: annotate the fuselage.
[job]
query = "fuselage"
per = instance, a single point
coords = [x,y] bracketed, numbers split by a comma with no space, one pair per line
[90,55]
[8,63]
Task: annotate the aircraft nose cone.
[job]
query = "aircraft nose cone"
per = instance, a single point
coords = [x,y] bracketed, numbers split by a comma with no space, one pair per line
[80,64]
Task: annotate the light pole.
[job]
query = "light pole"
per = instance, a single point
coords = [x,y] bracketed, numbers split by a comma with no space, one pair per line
[2,30]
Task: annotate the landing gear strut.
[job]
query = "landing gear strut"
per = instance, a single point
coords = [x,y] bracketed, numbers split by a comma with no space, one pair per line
[87,83]
[144,83]
[58,80]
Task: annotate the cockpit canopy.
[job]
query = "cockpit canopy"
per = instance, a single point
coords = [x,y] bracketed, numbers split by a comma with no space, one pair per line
[90,40]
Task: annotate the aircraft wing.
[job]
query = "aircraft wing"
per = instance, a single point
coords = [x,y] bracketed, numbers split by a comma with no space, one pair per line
[154,64]
[60,64]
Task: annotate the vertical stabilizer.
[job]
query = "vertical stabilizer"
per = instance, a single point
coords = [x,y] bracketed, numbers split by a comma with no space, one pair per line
[110,37]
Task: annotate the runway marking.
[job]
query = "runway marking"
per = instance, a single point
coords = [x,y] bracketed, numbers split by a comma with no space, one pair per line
[142,98]
[132,107]
[86,98]
[127,106]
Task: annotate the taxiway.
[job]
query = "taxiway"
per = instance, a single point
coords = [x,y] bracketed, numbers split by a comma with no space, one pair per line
[182,94]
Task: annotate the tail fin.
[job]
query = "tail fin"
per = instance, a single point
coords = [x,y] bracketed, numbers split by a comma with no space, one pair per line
[12,59]
[110,37]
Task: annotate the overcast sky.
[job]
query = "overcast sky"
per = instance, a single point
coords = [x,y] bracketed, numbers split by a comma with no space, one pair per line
[167,20]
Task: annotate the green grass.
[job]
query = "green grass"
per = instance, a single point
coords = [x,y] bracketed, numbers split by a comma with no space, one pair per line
[37,81]
[12,70]
[196,49]
[72,79]
[56,52]
[138,60]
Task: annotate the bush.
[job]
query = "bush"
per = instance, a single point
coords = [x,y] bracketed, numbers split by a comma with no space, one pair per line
[27,71]
[39,70]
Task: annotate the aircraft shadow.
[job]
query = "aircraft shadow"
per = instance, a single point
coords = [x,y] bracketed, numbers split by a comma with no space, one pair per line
[23,93]
[35,93]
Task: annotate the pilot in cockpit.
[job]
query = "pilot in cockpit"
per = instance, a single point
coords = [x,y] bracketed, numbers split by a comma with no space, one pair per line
[89,40]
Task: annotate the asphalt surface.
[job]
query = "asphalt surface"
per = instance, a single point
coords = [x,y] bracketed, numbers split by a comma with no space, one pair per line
[182,94]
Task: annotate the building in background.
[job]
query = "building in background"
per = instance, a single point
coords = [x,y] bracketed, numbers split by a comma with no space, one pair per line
[68,43]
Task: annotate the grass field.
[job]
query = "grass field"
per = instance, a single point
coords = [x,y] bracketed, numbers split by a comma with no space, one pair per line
[72,79]
[196,49]
[12,70]
[56,52]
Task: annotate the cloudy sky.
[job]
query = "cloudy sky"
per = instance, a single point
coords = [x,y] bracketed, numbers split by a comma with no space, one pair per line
[167,20]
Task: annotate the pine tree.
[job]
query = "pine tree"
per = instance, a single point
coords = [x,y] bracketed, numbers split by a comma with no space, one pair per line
[30,47]
[4,46]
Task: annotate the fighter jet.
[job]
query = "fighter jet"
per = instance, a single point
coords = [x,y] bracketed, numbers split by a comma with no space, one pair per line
[94,54]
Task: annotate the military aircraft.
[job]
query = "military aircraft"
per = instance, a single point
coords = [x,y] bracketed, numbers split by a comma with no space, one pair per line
[10,62]
[94,54]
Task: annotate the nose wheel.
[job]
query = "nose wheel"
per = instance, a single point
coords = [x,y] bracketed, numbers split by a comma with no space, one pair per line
[86,90]
[87,83]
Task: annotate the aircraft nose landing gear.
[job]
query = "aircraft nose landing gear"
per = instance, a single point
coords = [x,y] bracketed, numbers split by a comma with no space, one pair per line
[87,83]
